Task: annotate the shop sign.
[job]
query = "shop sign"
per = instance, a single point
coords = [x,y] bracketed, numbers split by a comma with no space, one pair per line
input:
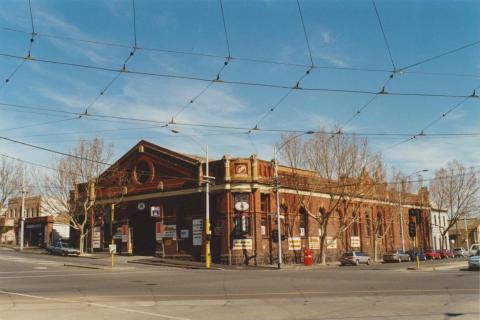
[263,230]
[197,231]
[242,244]
[294,243]
[141,206]
[331,243]
[314,243]
[355,242]
[170,231]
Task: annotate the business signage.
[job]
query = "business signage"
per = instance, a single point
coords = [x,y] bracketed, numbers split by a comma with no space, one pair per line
[355,242]
[156,212]
[314,243]
[294,243]
[331,243]
[197,231]
[242,244]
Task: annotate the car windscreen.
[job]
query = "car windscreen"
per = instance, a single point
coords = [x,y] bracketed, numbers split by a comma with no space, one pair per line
[348,254]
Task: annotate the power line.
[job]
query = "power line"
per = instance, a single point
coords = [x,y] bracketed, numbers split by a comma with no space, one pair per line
[242,83]
[39,124]
[384,35]
[161,123]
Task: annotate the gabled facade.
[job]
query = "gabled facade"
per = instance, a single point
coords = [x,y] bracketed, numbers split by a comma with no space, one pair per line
[160,210]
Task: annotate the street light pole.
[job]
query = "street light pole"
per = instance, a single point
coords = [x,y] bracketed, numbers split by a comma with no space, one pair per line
[22,213]
[207,213]
[279,229]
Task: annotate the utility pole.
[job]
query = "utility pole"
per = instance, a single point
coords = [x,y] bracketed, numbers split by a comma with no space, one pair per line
[22,213]
[402,191]
[279,229]
[208,233]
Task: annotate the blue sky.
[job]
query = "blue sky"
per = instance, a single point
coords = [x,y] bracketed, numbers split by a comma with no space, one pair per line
[343,34]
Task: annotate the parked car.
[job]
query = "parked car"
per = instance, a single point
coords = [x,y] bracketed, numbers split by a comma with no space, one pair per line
[460,252]
[432,254]
[474,248]
[397,255]
[474,261]
[413,255]
[446,254]
[62,248]
[355,258]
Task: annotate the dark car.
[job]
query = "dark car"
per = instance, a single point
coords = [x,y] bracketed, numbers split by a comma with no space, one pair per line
[397,255]
[446,254]
[432,254]
[62,248]
[413,255]
[355,258]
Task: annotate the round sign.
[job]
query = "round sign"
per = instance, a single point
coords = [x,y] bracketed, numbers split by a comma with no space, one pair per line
[141,206]
[241,206]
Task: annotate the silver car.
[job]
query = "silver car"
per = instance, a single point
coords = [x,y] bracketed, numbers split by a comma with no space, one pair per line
[460,252]
[397,255]
[355,258]
[474,261]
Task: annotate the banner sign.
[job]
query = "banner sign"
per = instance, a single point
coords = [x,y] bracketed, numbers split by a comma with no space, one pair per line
[158,231]
[294,243]
[355,242]
[170,231]
[242,244]
[331,243]
[314,243]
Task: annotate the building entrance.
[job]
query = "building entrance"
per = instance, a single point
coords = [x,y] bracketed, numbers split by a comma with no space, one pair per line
[143,228]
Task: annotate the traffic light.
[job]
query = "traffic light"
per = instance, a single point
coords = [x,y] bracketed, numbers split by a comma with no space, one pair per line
[415,213]
[412,229]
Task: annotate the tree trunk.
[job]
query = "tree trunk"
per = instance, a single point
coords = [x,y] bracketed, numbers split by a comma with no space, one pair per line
[323,253]
[375,249]
[82,241]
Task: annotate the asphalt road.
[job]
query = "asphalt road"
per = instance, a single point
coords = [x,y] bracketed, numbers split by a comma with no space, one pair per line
[41,287]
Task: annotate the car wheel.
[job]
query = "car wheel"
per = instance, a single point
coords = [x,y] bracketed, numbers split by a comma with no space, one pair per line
[357,263]
[399,260]
[369,262]
[409,259]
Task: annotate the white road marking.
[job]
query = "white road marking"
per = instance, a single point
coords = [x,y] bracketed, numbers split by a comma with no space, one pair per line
[93,273]
[100,305]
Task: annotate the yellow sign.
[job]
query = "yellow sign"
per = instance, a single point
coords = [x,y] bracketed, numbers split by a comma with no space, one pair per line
[314,242]
[294,243]
[242,244]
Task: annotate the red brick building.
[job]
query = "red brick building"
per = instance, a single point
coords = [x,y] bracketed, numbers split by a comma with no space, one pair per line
[161,210]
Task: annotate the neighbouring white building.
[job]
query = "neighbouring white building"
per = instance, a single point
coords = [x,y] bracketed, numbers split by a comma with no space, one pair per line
[439,222]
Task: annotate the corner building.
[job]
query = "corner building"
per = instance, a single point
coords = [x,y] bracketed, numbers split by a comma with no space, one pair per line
[160,210]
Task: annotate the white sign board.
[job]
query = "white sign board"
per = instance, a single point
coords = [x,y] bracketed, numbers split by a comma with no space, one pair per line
[331,243]
[197,230]
[302,232]
[314,243]
[96,238]
[242,244]
[263,230]
[355,242]
[294,243]
[155,212]
[112,248]
[184,233]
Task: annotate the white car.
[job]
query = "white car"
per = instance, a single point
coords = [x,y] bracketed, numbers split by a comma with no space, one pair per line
[474,247]
[474,261]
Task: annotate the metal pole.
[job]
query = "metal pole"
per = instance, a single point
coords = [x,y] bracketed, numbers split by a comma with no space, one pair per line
[466,233]
[112,218]
[207,214]
[277,186]
[401,215]
[22,213]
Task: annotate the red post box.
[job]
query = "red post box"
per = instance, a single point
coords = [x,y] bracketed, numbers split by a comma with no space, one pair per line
[307,257]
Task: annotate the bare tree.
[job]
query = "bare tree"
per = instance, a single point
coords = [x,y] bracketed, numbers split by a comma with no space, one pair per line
[337,166]
[10,181]
[455,189]
[73,189]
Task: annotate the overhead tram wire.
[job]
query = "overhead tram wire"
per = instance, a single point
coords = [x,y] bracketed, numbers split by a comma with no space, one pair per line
[160,123]
[297,84]
[123,69]
[218,75]
[32,35]
[40,124]
[385,40]
[384,36]
[241,83]
[422,133]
